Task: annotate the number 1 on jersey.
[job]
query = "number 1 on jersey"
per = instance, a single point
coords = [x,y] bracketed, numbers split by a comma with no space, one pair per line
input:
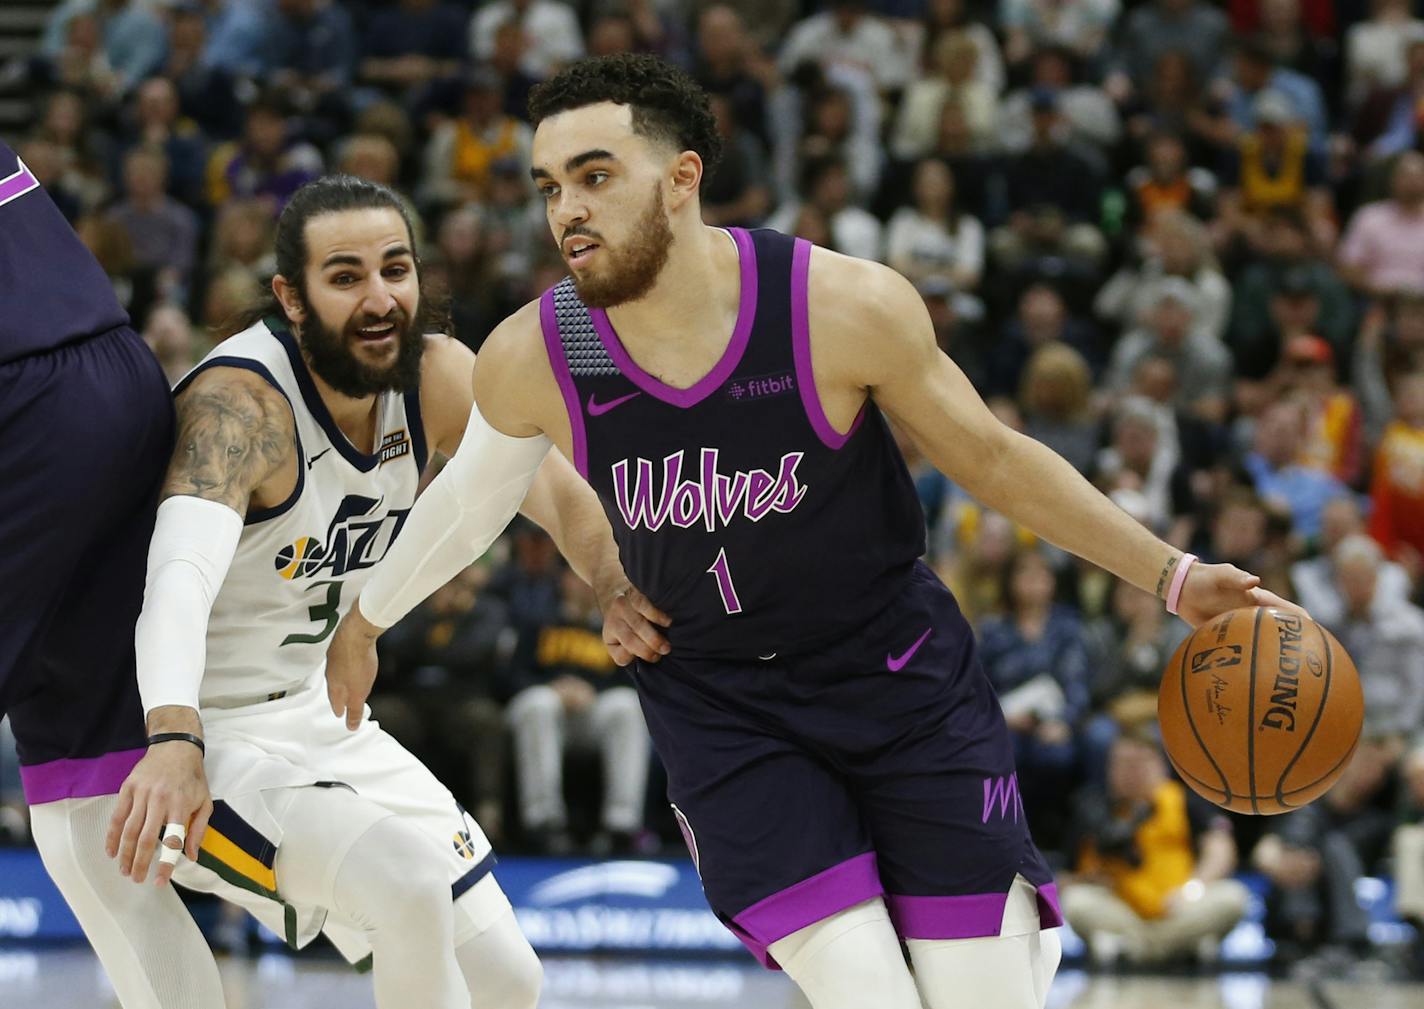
[724,583]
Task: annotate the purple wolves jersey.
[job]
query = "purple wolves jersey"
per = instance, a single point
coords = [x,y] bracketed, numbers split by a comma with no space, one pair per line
[52,292]
[736,506]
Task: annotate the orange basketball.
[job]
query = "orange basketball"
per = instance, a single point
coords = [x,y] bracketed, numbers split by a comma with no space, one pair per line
[1260,710]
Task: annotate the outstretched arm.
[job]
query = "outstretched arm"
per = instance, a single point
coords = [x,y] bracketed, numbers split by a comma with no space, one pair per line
[235,433]
[925,392]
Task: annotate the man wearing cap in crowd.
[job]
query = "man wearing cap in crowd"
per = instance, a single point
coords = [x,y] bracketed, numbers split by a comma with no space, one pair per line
[1334,433]
[1273,166]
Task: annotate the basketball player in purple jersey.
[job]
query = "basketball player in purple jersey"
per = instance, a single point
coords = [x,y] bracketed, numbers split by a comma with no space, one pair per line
[86,422]
[836,758]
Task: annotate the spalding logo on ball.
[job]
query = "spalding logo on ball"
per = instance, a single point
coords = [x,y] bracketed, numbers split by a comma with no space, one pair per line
[1261,710]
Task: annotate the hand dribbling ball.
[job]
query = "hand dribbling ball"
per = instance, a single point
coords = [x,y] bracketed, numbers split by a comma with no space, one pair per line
[1260,710]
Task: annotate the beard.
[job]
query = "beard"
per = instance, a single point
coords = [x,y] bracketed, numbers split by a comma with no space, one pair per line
[331,355]
[631,273]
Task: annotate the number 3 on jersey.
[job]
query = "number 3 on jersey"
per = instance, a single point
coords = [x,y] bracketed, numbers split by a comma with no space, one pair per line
[730,602]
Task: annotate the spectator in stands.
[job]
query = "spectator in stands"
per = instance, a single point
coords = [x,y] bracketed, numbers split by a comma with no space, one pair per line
[1128,647]
[158,123]
[1314,855]
[1173,101]
[827,188]
[410,45]
[577,699]
[85,153]
[935,236]
[314,51]
[162,233]
[507,63]
[1168,182]
[1056,190]
[462,151]
[243,236]
[1298,46]
[441,686]
[1390,343]
[1172,244]
[133,38]
[730,65]
[846,34]
[1037,660]
[767,21]
[82,64]
[236,34]
[1375,49]
[1386,124]
[529,583]
[466,254]
[268,163]
[1089,114]
[1408,849]
[976,568]
[1192,27]
[1384,635]
[1273,167]
[1278,474]
[737,193]
[1042,318]
[1397,492]
[952,77]
[1056,404]
[1170,329]
[942,16]
[1383,248]
[1255,74]
[227,295]
[842,121]
[1334,438]
[207,88]
[169,335]
[1316,580]
[551,33]
[374,157]
[1079,26]
[1289,291]
[1153,864]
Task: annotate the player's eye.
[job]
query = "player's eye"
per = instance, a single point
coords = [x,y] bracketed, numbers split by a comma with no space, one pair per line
[597,178]
[396,272]
[343,279]
[548,192]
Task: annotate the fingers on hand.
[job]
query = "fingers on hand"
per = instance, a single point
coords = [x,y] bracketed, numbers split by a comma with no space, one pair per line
[147,841]
[117,821]
[336,696]
[644,606]
[198,828]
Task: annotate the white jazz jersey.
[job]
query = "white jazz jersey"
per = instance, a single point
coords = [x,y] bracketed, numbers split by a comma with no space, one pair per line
[300,564]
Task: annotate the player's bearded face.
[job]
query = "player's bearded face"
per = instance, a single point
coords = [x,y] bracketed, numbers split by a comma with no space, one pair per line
[336,350]
[626,271]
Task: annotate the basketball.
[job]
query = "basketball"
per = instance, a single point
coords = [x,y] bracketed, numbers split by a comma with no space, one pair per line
[1260,710]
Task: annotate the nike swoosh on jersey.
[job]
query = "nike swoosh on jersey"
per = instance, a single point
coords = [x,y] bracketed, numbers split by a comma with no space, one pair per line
[312,461]
[596,408]
[896,664]
[17,183]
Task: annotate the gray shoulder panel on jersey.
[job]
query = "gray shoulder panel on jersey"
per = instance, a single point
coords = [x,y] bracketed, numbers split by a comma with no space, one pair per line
[582,347]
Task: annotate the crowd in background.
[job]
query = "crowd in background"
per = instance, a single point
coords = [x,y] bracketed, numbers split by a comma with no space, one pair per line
[1180,243]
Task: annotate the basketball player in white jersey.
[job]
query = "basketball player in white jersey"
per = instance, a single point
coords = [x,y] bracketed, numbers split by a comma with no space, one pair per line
[301,443]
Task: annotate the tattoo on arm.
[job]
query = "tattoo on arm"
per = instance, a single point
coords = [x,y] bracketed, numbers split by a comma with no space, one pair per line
[231,438]
[1163,578]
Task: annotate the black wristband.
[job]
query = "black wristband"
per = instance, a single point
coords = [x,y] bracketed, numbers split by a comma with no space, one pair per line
[173,737]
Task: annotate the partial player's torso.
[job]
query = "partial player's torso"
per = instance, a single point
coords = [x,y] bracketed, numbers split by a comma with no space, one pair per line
[302,560]
[738,507]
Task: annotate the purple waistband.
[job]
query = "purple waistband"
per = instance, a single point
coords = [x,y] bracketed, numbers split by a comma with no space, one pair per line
[804,903]
[968,916]
[77,778]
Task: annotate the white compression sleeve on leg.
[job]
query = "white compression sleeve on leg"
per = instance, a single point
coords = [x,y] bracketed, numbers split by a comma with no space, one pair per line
[193,544]
[456,519]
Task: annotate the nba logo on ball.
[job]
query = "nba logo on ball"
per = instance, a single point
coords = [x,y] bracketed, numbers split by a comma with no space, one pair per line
[1261,710]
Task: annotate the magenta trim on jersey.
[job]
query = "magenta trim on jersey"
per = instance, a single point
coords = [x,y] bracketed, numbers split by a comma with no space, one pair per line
[549,322]
[77,778]
[17,183]
[722,370]
[801,350]
[970,916]
[805,903]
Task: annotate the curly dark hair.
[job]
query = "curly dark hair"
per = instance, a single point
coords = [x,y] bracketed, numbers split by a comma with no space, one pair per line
[668,105]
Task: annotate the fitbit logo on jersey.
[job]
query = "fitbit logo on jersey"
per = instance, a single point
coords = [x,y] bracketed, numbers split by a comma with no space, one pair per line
[706,498]
[356,539]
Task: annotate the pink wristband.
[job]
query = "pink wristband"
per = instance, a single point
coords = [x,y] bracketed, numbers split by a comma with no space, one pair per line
[1179,578]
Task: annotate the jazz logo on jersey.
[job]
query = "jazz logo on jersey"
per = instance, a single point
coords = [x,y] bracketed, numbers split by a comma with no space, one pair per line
[358,537]
[708,496]
[393,446]
[465,845]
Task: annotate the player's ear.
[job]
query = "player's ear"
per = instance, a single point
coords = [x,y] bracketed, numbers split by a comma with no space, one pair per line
[291,301]
[686,178]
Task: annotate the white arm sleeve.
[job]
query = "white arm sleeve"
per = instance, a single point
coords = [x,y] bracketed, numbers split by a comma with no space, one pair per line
[193,544]
[456,519]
